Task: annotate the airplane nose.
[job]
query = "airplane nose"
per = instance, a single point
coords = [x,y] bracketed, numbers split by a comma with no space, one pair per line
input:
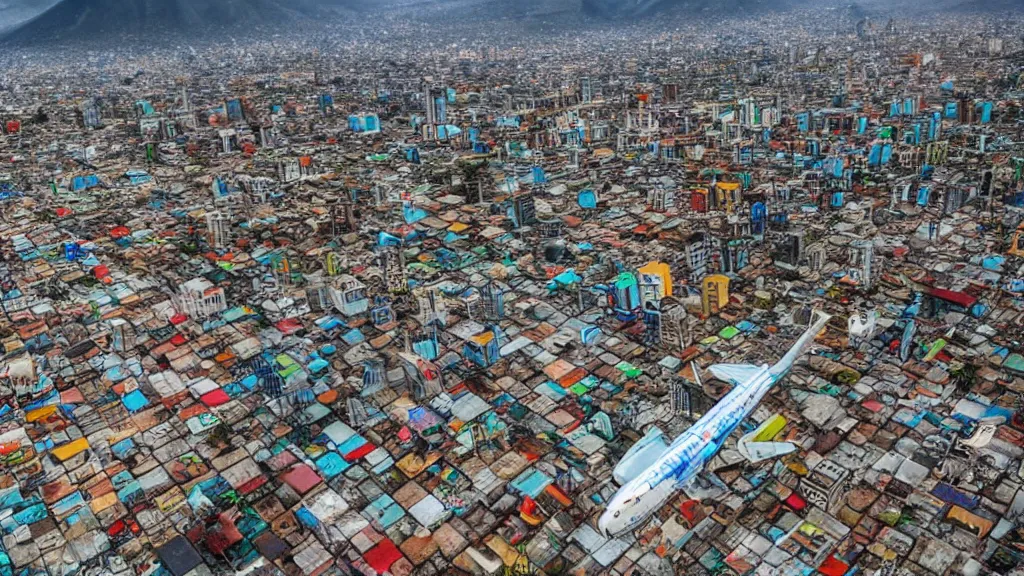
[602,525]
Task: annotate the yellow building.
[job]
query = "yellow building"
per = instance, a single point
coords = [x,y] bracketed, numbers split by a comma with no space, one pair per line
[655,281]
[714,293]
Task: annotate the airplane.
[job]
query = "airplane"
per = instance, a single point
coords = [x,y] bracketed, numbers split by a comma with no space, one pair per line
[651,471]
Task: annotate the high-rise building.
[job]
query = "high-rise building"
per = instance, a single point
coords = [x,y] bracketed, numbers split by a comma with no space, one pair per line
[669,93]
[199,298]
[699,252]
[218,228]
[586,91]
[259,188]
[358,415]
[374,377]
[289,170]
[675,331]
[436,103]
[123,334]
[574,156]
[183,113]
[494,302]
[679,398]
[863,257]
[734,254]
[966,113]
[318,298]
[791,249]
[394,271]
[228,138]
[91,114]
[431,309]
[267,138]
[441,108]
[424,343]
[995,46]
[661,199]
[652,323]
[321,69]
[524,209]
[474,306]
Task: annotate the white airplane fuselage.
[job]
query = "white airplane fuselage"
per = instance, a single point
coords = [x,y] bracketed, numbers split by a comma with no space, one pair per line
[686,456]
[648,491]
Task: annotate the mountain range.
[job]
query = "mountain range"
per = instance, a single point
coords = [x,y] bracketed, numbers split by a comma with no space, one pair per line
[16,12]
[47,21]
[82,19]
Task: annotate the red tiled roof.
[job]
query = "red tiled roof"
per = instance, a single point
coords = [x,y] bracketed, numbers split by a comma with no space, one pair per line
[958,298]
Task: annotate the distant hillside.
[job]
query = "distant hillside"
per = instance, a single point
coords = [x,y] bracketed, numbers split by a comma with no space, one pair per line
[84,19]
[566,10]
[108,20]
[887,7]
[618,9]
[15,12]
[987,5]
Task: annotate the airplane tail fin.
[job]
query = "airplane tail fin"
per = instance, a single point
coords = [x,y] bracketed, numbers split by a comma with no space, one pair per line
[818,321]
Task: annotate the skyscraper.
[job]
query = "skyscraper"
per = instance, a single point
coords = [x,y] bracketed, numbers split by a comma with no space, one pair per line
[679,398]
[123,334]
[436,104]
[218,228]
[91,114]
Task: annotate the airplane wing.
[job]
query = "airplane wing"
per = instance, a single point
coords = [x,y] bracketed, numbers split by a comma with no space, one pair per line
[759,451]
[704,485]
[640,456]
[758,446]
[735,373]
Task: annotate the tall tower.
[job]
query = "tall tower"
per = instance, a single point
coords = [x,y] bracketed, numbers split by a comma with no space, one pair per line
[394,271]
[494,302]
[863,256]
[91,114]
[358,415]
[218,227]
[679,398]
[474,306]
[676,335]
[320,70]
[428,102]
[436,104]
[374,377]
[435,101]
[183,104]
[431,308]
[123,335]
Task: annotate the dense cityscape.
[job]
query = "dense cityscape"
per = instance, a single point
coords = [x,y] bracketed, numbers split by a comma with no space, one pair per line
[455,288]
